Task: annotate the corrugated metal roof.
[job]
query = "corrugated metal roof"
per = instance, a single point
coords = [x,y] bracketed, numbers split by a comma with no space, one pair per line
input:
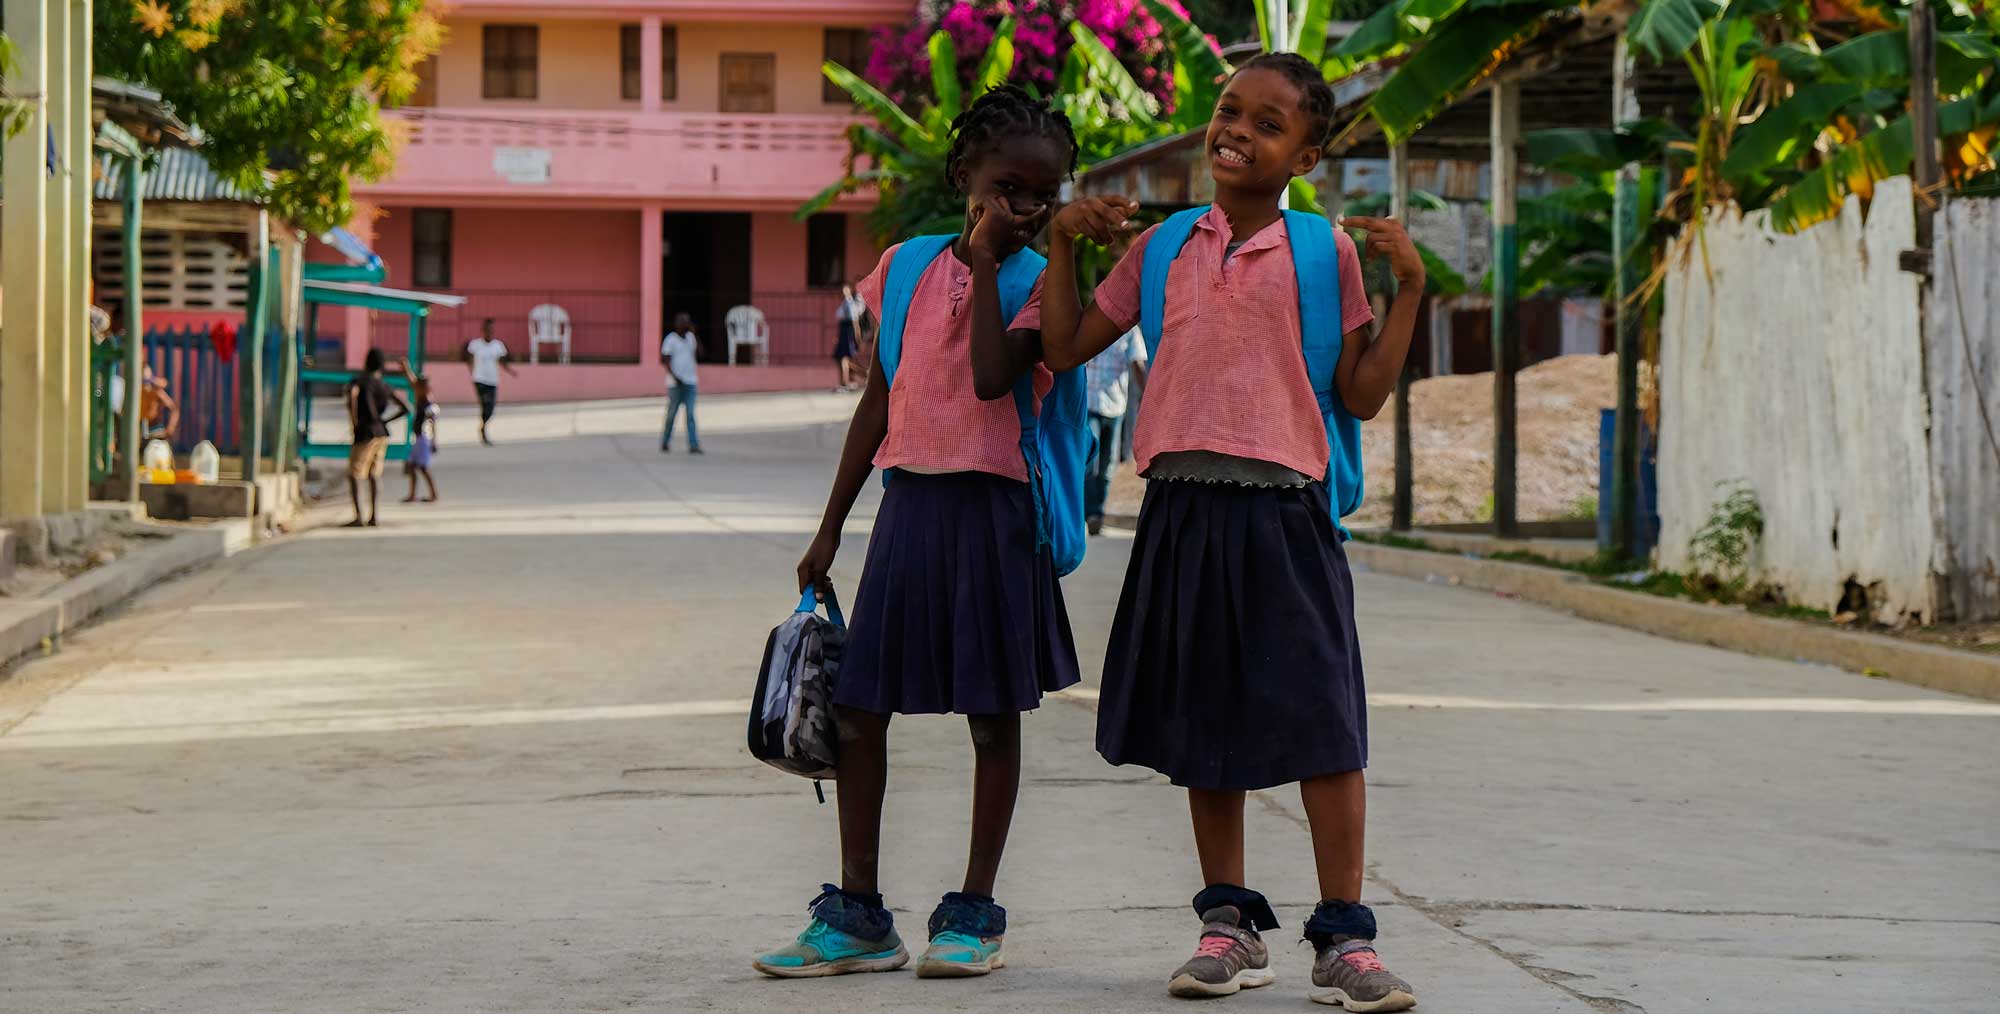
[181,175]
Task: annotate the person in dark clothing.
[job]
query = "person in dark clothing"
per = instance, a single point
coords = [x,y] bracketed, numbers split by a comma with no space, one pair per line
[369,398]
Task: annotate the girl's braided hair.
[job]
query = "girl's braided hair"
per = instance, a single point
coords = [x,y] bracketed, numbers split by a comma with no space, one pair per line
[1315,95]
[999,114]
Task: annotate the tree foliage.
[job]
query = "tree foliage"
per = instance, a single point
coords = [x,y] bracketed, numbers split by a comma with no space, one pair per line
[286,93]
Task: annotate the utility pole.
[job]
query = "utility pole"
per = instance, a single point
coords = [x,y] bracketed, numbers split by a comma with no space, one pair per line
[1624,491]
[1924,118]
[1403,509]
[1506,136]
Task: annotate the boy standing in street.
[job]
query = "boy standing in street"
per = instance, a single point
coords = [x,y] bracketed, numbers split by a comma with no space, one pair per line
[677,354]
[488,356]
[368,401]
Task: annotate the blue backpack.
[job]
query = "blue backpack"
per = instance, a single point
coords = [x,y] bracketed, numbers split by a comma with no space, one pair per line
[1315,263]
[1057,444]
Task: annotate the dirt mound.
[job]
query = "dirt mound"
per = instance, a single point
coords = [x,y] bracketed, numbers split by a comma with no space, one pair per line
[1451,436]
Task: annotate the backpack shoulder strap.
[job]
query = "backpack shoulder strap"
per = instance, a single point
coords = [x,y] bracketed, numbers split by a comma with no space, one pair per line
[1018,275]
[905,270]
[1161,249]
[1316,263]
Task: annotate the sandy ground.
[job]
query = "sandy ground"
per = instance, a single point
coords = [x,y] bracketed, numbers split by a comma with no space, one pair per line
[1451,431]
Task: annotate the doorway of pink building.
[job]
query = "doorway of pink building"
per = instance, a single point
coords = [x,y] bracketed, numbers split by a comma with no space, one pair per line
[705,271]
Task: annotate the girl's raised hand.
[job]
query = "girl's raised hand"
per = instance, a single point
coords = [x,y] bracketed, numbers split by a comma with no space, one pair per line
[998,232]
[1098,218]
[1387,238]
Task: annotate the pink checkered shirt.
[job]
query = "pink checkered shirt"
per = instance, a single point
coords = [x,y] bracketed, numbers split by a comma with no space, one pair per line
[936,422]
[1230,377]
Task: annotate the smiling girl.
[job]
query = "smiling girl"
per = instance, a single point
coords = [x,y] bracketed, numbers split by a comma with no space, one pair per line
[1234,664]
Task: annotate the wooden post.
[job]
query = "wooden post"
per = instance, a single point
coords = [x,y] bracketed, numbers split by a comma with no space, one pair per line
[1923,116]
[1506,299]
[80,181]
[61,287]
[1402,511]
[250,372]
[24,228]
[129,427]
[1624,492]
[284,434]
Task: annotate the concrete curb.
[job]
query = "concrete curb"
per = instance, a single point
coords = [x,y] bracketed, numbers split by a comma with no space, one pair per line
[1927,665]
[26,623]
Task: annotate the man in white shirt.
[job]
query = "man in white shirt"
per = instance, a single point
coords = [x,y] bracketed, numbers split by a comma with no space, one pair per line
[1109,375]
[488,356]
[677,354]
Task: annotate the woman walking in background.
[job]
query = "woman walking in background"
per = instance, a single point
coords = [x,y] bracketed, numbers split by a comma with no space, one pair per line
[847,347]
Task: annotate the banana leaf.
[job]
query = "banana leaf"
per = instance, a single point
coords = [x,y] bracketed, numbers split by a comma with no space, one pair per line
[1585,150]
[1195,62]
[1450,60]
[1429,12]
[1109,73]
[1440,278]
[1853,169]
[998,62]
[1310,40]
[1302,195]
[1376,205]
[1263,25]
[945,94]
[1381,31]
[1776,138]
[1878,58]
[821,201]
[1795,61]
[1962,57]
[1664,29]
[878,105]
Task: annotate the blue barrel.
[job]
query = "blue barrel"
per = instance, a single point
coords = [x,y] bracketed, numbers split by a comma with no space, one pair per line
[1649,487]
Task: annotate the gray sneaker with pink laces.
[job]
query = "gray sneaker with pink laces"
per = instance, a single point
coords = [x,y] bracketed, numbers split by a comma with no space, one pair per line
[1230,957]
[1349,974]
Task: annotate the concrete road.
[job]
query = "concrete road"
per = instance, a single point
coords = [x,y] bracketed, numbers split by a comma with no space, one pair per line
[490,757]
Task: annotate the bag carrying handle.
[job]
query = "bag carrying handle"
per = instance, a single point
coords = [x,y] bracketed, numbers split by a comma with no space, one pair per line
[809,603]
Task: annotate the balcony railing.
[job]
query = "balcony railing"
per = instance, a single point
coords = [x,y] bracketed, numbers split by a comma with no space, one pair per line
[714,156]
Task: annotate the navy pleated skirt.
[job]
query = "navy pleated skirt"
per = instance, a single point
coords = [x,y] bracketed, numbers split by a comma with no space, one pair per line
[1233,661]
[958,612]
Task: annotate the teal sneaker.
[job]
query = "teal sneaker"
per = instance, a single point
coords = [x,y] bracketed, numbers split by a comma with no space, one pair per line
[966,931]
[954,954]
[831,944]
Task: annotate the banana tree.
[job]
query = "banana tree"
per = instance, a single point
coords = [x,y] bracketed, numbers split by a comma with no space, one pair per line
[902,156]
[13,111]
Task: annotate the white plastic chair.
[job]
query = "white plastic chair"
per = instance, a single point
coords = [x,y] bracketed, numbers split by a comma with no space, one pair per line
[548,324]
[745,325]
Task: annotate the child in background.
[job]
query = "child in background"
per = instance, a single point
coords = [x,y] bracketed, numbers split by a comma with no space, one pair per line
[958,610]
[1234,663]
[423,443]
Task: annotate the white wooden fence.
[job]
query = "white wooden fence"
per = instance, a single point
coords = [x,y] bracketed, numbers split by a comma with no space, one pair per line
[1795,364]
[1962,359]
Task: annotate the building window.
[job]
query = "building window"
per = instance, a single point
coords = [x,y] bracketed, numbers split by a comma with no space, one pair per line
[630,53]
[849,48]
[511,55]
[430,231]
[749,83]
[426,92]
[826,251]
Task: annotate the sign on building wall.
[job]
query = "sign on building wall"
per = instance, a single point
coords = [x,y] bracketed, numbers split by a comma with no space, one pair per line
[522,165]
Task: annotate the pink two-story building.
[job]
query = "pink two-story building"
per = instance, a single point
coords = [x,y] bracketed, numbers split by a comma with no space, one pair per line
[625,162]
